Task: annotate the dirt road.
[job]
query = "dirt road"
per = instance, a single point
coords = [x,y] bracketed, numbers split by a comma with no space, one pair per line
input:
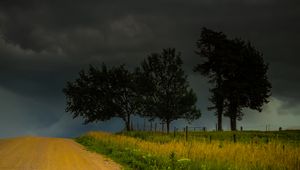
[40,153]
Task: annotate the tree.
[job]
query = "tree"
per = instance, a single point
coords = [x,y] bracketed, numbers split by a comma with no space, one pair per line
[238,73]
[167,94]
[246,83]
[213,50]
[100,94]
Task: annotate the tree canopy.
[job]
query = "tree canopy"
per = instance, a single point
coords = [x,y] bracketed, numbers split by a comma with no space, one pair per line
[100,94]
[238,72]
[213,51]
[169,96]
[246,83]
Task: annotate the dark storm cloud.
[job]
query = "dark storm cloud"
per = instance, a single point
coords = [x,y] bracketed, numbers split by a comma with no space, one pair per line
[43,44]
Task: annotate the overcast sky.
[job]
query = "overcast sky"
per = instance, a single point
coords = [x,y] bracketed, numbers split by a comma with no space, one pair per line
[44,43]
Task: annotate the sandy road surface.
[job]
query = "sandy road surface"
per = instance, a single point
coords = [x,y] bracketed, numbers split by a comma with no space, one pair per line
[39,153]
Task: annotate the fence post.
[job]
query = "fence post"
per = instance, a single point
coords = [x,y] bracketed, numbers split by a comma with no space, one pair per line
[151,126]
[186,133]
[209,138]
[155,125]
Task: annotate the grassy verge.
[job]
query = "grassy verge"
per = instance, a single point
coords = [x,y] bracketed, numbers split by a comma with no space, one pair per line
[132,158]
[143,151]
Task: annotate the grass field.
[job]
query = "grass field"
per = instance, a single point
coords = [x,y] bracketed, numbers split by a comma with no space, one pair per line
[291,137]
[202,150]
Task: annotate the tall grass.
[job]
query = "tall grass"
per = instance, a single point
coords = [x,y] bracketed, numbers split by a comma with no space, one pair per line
[216,154]
[291,137]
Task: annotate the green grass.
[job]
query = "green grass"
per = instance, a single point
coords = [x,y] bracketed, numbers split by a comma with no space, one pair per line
[134,159]
[291,137]
[128,154]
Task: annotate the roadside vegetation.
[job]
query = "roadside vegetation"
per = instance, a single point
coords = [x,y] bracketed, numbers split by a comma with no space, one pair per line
[149,150]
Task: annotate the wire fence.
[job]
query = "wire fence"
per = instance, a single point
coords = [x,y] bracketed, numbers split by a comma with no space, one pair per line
[191,132]
[162,127]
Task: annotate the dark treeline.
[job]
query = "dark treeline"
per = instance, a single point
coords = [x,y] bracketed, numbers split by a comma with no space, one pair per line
[158,88]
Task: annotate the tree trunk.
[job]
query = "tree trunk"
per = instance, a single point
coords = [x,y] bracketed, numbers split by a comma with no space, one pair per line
[219,114]
[233,114]
[220,122]
[220,103]
[168,126]
[233,122]
[127,122]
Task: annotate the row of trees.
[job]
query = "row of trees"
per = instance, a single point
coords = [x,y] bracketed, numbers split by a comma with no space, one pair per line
[158,88]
